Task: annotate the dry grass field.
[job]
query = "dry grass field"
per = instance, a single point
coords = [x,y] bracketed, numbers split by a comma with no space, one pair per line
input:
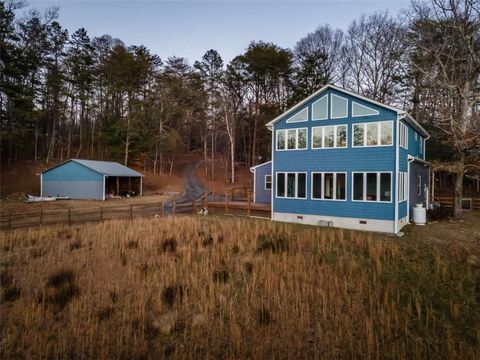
[235,288]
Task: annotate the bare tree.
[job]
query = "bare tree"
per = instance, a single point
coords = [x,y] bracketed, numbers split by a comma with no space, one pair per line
[446,53]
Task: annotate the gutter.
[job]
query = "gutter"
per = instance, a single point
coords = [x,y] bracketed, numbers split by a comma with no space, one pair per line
[397,155]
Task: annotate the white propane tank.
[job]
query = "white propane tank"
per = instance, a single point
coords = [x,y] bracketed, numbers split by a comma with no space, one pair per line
[419,215]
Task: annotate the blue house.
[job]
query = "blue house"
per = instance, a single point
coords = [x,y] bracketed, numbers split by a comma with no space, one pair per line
[262,182]
[89,179]
[340,159]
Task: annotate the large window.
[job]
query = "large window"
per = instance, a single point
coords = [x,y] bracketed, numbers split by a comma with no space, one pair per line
[372,186]
[339,107]
[320,109]
[291,185]
[292,139]
[373,134]
[334,136]
[329,186]
[403,135]
[402,186]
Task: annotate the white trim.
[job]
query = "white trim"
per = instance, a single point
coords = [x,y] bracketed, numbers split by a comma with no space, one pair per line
[375,112]
[296,185]
[103,192]
[331,107]
[41,184]
[296,139]
[402,186]
[265,182]
[252,169]
[379,134]
[290,121]
[326,110]
[403,135]
[254,185]
[274,190]
[141,187]
[378,186]
[323,147]
[377,225]
[397,168]
[323,187]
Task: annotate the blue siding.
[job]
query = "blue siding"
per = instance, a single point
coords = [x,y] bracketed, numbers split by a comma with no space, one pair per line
[261,194]
[71,171]
[343,160]
[74,180]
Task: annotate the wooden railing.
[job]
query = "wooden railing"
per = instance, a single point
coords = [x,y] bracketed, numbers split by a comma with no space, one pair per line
[447,201]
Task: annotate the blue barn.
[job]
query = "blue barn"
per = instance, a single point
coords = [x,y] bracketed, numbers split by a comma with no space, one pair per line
[340,159]
[89,179]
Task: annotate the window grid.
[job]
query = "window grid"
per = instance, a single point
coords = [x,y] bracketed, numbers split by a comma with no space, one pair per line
[402,186]
[285,192]
[285,133]
[268,182]
[379,125]
[378,186]
[335,136]
[403,135]
[322,186]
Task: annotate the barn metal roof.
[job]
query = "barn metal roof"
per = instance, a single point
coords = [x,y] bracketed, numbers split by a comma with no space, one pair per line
[107,168]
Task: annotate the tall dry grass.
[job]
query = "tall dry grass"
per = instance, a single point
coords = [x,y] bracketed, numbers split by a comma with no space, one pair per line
[233,288]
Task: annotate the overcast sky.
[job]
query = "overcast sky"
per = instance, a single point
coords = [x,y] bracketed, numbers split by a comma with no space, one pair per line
[189,28]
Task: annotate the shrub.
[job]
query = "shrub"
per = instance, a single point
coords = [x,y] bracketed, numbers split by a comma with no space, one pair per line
[440,213]
[172,294]
[61,288]
[220,276]
[169,245]
[273,242]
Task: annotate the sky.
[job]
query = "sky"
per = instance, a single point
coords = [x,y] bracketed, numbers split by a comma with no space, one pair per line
[190,28]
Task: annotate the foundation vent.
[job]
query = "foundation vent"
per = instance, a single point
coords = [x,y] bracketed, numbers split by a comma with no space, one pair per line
[363,222]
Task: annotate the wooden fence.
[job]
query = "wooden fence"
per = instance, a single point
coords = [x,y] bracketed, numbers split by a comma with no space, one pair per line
[447,201]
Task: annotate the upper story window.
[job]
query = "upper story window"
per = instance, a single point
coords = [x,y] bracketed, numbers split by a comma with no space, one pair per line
[292,139]
[320,108]
[362,110]
[300,116]
[333,136]
[339,107]
[403,135]
[378,133]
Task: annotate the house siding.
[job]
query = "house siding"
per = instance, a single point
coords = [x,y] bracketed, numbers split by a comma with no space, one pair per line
[261,194]
[349,159]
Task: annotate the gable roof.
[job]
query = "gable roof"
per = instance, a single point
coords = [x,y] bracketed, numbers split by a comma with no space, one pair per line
[106,168]
[401,113]
[253,168]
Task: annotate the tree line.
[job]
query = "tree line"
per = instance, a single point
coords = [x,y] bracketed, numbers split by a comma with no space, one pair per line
[67,95]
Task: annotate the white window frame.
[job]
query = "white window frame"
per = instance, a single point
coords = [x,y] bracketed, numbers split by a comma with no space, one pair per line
[379,132]
[334,139]
[290,121]
[356,103]
[378,186]
[286,185]
[268,182]
[403,135]
[331,107]
[322,173]
[296,139]
[402,186]
[326,113]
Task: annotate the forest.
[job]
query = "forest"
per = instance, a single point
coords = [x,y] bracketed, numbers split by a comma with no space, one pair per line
[65,94]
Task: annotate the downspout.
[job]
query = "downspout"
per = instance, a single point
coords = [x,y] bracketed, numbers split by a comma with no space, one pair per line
[103,195]
[41,184]
[254,185]
[397,152]
[271,128]
[410,160]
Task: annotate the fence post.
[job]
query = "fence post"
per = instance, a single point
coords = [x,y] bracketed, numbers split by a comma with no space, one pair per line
[69,217]
[41,216]
[131,212]
[248,202]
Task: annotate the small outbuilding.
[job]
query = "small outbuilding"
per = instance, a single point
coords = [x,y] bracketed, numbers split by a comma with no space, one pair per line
[262,183]
[89,179]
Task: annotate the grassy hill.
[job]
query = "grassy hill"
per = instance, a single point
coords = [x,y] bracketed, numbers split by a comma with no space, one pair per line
[223,287]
